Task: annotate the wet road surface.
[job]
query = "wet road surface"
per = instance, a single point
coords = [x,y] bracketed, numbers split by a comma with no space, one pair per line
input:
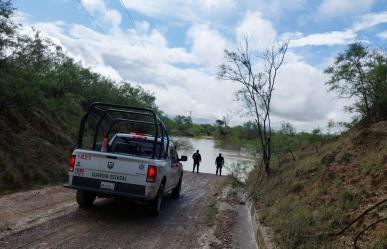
[50,218]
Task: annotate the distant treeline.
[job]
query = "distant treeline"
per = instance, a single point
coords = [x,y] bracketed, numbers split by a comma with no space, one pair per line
[284,139]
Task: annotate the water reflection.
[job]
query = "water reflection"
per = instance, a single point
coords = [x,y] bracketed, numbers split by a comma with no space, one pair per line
[209,153]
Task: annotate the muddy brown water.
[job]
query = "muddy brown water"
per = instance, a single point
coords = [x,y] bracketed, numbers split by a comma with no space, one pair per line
[209,152]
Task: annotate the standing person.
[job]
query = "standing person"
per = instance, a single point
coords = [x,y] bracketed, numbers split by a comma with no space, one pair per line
[219,161]
[197,158]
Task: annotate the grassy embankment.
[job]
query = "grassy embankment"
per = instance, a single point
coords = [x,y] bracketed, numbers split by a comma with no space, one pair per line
[34,148]
[328,186]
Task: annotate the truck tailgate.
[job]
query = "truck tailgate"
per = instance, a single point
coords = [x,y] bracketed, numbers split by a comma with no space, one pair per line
[110,167]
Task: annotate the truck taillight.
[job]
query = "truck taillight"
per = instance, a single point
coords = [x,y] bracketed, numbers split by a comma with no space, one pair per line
[71,163]
[152,173]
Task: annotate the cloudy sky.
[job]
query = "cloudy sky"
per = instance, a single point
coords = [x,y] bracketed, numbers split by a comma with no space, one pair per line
[172,48]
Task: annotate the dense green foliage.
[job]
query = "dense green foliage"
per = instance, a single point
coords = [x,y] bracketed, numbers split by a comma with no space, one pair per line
[183,126]
[43,94]
[361,73]
[284,140]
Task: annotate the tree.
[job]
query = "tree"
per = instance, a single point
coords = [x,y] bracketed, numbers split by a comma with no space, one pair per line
[331,125]
[289,131]
[360,73]
[222,125]
[257,87]
[7,28]
[183,124]
[378,76]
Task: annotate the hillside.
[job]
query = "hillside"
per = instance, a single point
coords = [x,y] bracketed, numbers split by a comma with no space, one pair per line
[34,147]
[309,201]
[43,94]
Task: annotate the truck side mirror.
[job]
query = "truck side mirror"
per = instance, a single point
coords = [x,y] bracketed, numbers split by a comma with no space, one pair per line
[183,158]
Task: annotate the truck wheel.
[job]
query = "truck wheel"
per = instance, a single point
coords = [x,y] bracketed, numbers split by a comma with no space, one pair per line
[85,199]
[177,189]
[155,205]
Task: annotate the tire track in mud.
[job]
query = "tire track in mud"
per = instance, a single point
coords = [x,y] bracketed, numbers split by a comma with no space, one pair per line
[113,223]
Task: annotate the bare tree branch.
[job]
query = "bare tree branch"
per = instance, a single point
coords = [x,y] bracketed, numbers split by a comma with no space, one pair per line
[257,87]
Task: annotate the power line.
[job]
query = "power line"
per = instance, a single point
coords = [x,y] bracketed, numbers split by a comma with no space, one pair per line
[91,17]
[100,29]
[135,29]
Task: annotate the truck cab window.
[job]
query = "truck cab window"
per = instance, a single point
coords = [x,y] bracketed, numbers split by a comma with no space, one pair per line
[173,153]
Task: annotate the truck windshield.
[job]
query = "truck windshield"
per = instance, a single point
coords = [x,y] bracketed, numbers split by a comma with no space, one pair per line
[130,146]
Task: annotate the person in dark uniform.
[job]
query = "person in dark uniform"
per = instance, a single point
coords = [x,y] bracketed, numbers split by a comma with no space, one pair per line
[197,158]
[219,161]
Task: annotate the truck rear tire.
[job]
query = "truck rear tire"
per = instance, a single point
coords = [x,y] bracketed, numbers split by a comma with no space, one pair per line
[177,189]
[155,205]
[85,199]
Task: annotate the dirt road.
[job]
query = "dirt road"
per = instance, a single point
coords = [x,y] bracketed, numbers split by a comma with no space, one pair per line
[49,218]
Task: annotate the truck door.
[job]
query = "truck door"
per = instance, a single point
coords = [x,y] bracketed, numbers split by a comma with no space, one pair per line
[175,164]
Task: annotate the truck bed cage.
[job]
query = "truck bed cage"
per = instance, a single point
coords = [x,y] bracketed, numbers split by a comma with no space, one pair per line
[106,109]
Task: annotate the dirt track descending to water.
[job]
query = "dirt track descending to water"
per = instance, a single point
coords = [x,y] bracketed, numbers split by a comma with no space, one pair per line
[50,218]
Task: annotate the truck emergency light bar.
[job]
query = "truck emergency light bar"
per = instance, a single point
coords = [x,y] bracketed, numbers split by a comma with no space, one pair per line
[122,109]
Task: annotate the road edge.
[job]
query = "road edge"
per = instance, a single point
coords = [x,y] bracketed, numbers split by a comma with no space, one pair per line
[263,234]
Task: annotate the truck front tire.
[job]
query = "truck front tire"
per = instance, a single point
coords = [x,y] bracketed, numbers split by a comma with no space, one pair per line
[85,199]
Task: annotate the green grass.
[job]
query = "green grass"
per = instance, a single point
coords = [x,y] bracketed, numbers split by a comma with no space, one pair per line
[378,244]
[320,192]
[211,212]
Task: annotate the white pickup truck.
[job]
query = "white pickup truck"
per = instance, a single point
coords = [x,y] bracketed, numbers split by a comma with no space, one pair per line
[130,164]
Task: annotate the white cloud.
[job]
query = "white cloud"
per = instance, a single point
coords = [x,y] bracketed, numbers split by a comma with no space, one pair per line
[99,10]
[194,90]
[383,35]
[142,27]
[260,32]
[336,8]
[189,10]
[300,95]
[369,20]
[119,56]
[291,35]
[328,38]
[276,8]
[338,37]
[208,44]
[215,4]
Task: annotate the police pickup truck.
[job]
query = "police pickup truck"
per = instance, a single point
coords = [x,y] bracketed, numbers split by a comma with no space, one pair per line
[129,154]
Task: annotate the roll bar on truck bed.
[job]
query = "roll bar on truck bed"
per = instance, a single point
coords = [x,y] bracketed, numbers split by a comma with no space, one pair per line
[106,109]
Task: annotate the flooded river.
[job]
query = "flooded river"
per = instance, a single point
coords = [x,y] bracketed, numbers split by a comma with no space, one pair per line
[209,153]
